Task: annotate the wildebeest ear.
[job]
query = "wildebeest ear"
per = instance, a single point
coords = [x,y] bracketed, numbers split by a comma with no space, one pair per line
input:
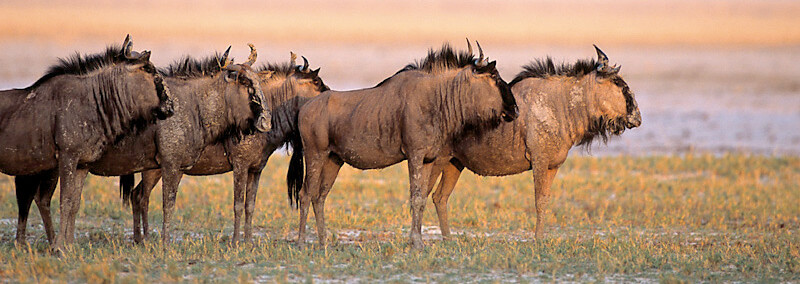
[145,56]
[314,73]
[601,56]
[487,68]
[491,65]
[127,40]
[223,60]
[126,46]
[305,64]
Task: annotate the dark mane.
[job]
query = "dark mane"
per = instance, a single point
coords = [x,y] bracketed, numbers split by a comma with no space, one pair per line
[442,59]
[193,68]
[78,64]
[543,68]
[283,69]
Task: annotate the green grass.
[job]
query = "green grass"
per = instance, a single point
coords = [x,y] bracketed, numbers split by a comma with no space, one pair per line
[670,219]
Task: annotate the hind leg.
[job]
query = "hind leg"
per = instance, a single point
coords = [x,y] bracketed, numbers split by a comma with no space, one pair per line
[140,203]
[311,185]
[26,187]
[44,195]
[450,174]
[330,170]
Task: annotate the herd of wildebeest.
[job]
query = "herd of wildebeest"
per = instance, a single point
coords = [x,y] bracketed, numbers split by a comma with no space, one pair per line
[116,114]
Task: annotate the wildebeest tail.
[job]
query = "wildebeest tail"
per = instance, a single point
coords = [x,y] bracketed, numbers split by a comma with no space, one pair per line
[295,175]
[125,188]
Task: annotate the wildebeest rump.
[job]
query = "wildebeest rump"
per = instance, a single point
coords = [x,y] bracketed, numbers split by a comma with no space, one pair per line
[286,87]
[416,115]
[68,118]
[560,107]
[213,101]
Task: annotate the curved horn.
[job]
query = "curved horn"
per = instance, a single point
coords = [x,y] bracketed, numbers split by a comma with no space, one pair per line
[305,64]
[223,61]
[253,55]
[480,50]
[480,61]
[469,47]
[292,59]
[601,56]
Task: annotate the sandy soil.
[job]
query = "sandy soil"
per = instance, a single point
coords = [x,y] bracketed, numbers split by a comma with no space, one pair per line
[709,76]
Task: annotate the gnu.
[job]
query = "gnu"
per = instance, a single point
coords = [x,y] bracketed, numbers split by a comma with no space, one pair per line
[414,115]
[561,106]
[67,119]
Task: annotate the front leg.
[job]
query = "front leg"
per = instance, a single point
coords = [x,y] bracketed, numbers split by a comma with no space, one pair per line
[250,204]
[542,179]
[240,180]
[70,198]
[171,178]
[419,177]
[80,179]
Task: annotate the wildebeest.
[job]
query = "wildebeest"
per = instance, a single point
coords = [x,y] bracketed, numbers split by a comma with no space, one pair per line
[561,107]
[213,100]
[414,115]
[286,87]
[67,118]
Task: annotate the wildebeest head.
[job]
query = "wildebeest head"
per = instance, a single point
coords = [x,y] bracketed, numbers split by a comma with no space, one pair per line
[615,100]
[282,82]
[486,70]
[141,60]
[304,81]
[243,76]
[306,77]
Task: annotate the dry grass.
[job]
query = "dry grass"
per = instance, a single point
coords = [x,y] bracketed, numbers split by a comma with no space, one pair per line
[716,218]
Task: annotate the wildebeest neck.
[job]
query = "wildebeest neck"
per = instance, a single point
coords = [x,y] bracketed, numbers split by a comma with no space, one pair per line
[461,103]
[216,107]
[284,120]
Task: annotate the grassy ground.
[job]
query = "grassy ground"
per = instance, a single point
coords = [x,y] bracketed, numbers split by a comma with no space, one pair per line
[695,218]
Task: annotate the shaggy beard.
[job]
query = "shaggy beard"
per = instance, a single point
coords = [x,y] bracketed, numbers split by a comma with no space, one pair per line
[603,128]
